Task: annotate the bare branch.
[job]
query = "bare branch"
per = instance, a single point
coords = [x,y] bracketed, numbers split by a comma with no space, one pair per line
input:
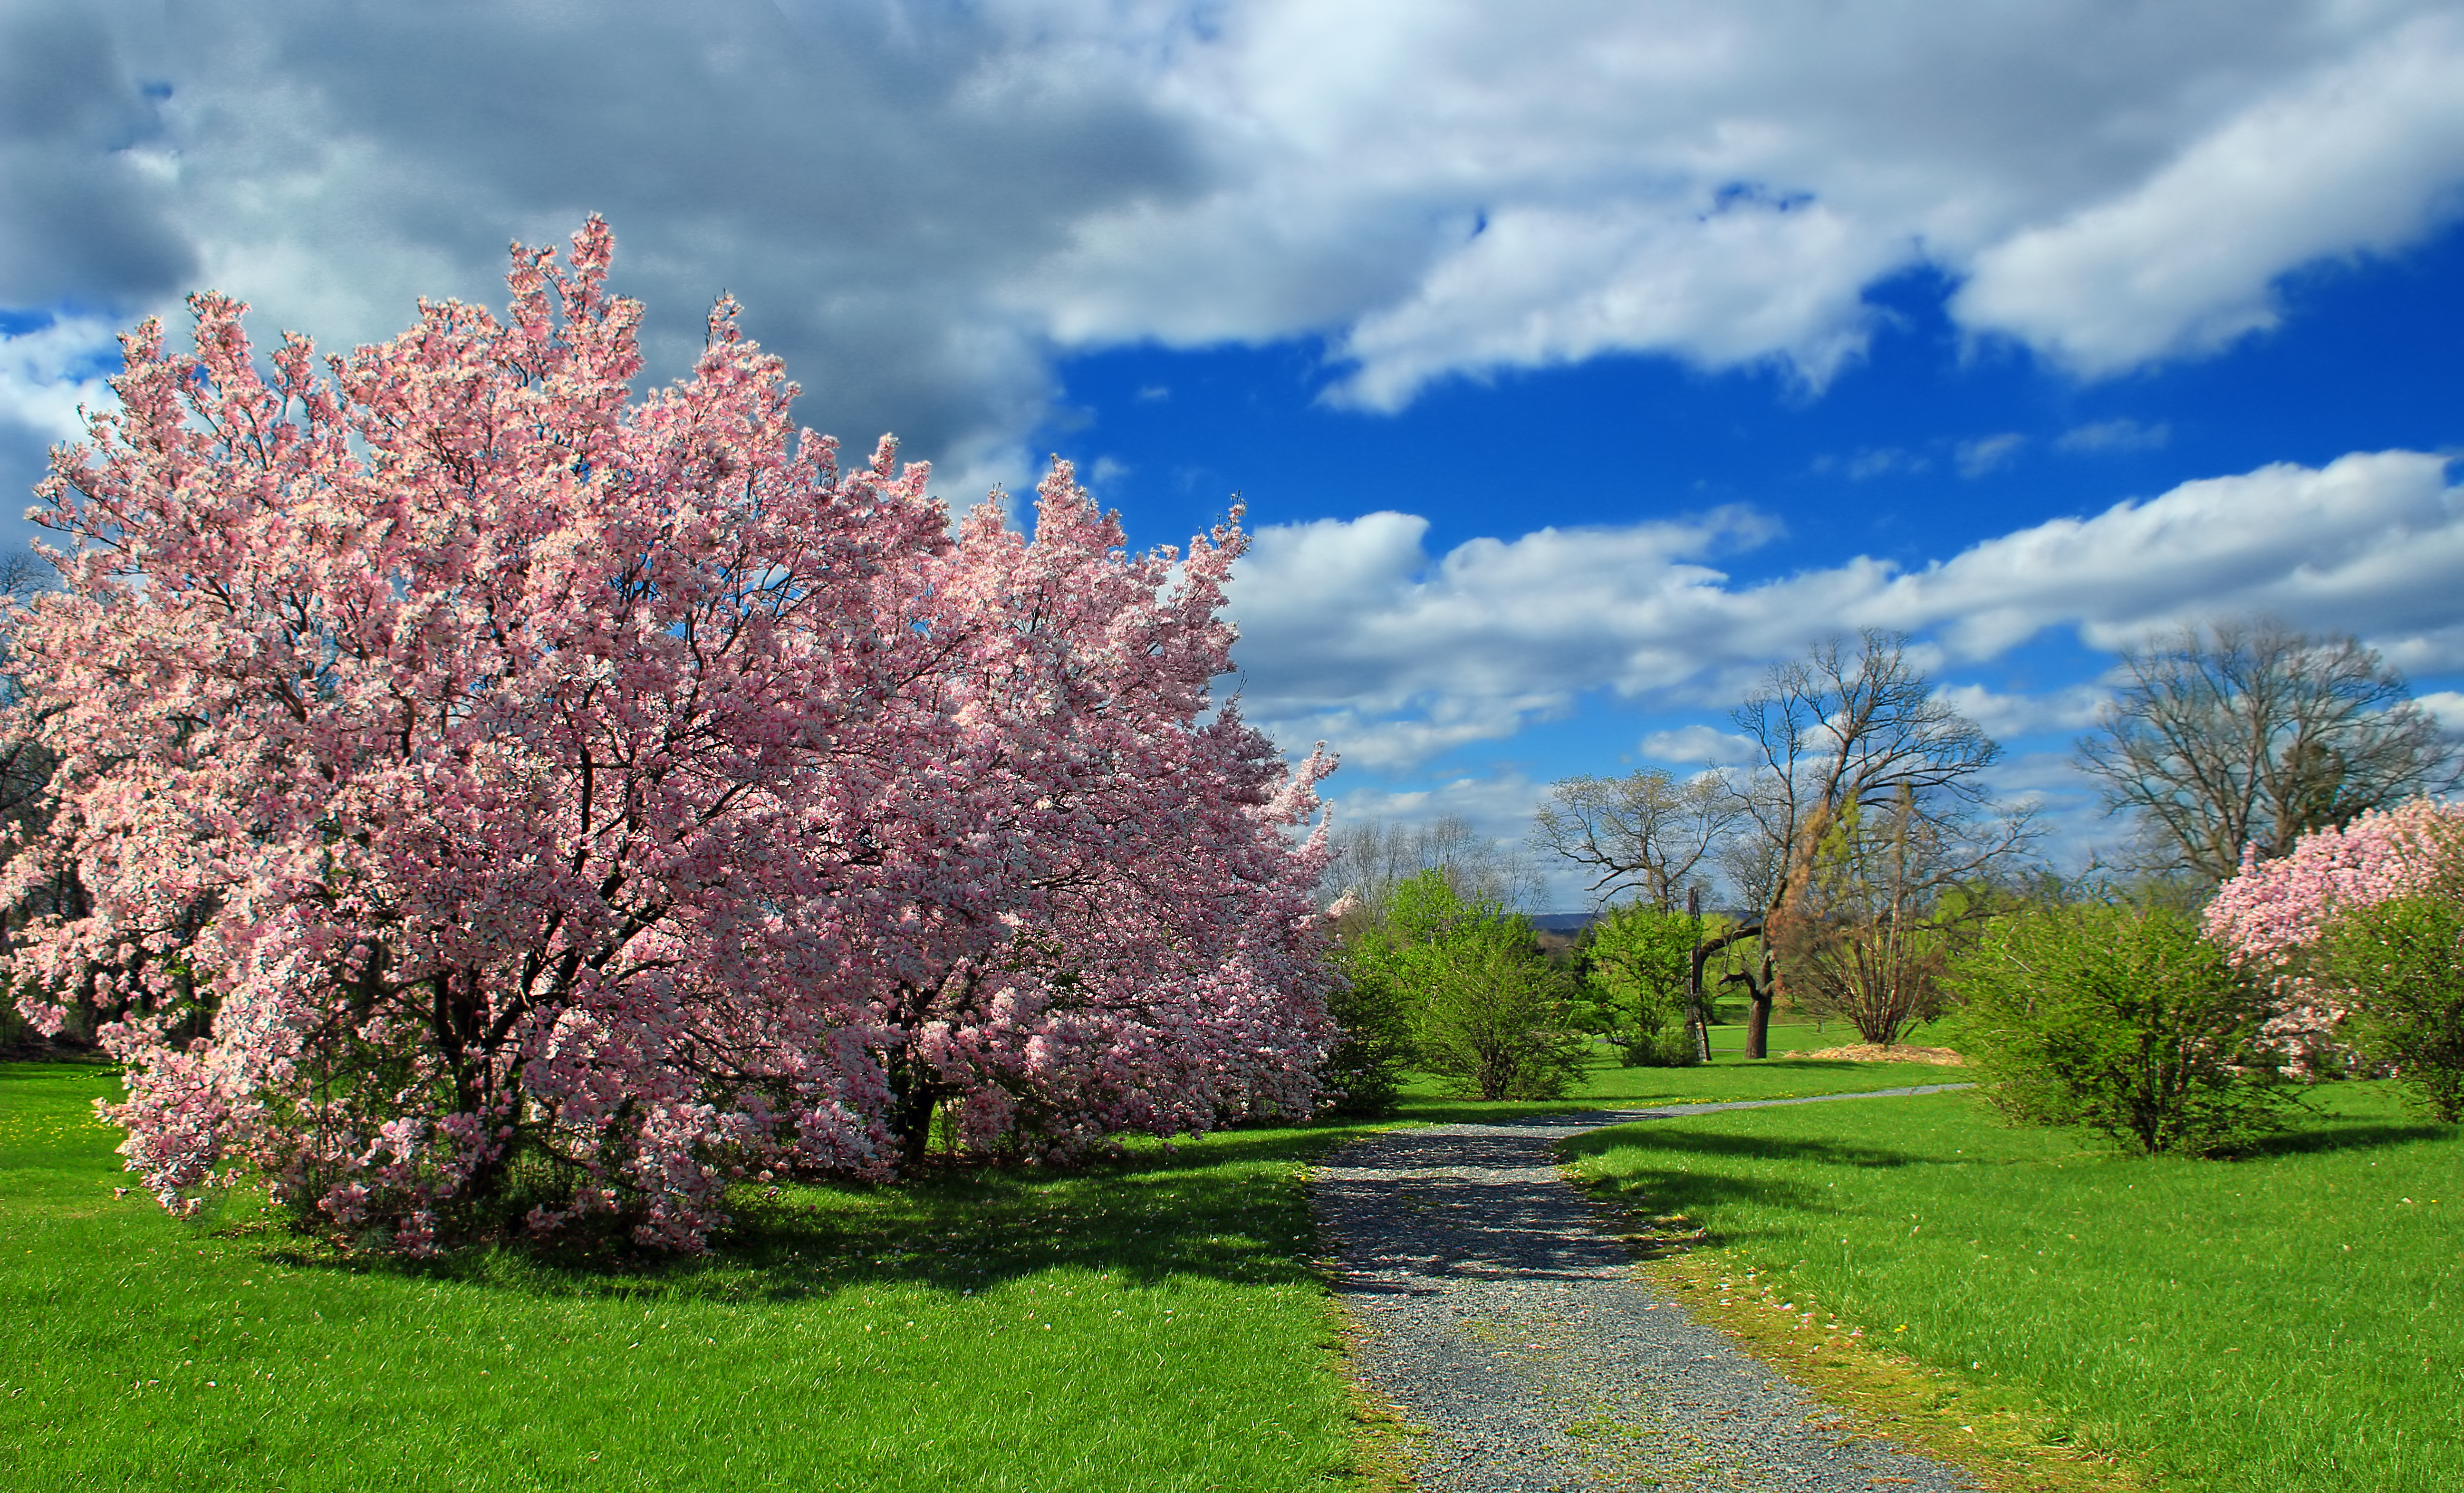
[1645,832]
[2253,734]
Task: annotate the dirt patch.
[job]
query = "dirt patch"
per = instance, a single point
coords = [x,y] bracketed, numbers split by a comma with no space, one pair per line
[1867,1052]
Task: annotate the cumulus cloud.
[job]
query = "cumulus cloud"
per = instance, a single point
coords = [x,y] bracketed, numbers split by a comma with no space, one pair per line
[2004,715]
[2370,544]
[1697,744]
[922,206]
[2446,707]
[1353,631]
[2361,156]
[48,372]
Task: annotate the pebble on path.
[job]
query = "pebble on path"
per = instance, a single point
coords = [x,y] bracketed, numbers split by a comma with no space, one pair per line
[1534,1357]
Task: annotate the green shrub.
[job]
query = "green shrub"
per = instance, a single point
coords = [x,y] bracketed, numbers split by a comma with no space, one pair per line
[2400,962]
[1495,1013]
[2123,1019]
[1668,1047]
[1374,1013]
[1635,964]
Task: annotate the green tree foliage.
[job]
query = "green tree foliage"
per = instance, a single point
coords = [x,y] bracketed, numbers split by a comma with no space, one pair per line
[1635,963]
[2121,1019]
[1486,1011]
[1374,1010]
[1496,1022]
[2401,963]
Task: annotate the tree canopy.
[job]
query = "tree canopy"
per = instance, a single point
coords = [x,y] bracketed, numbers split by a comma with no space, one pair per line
[541,800]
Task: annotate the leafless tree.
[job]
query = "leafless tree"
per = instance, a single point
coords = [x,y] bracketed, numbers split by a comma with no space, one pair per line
[1850,738]
[1372,858]
[2253,734]
[1891,894]
[1646,832]
[23,572]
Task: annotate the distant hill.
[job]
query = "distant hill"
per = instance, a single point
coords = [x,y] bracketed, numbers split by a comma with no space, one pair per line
[1563,922]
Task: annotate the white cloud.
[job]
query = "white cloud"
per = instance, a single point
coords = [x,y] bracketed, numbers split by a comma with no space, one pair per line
[2370,544]
[2445,706]
[1873,461]
[921,205]
[2004,715]
[2120,434]
[47,373]
[1349,622]
[1353,631]
[1697,744]
[1719,282]
[2361,156]
[1989,453]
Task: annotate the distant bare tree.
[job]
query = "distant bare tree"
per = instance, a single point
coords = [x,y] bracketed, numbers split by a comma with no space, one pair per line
[23,572]
[1855,743]
[1892,895]
[2253,734]
[1372,858]
[1646,832]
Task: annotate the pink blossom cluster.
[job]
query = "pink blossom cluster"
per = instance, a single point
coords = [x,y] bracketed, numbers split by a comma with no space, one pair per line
[482,785]
[2271,912]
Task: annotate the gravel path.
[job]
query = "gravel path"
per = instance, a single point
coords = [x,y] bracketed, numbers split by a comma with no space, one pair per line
[1528,1348]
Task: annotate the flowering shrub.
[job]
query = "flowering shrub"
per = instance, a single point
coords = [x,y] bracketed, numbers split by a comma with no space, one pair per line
[496,797]
[2273,914]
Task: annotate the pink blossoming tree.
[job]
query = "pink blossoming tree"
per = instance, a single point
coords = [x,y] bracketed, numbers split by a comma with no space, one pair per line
[2275,913]
[488,790]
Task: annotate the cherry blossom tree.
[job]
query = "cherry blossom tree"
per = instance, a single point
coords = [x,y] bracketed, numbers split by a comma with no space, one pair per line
[487,789]
[2274,912]
[1163,970]
[2273,908]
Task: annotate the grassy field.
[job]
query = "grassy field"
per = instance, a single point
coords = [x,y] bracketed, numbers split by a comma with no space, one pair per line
[1150,1325]
[1729,1075]
[1155,1324]
[2287,1321]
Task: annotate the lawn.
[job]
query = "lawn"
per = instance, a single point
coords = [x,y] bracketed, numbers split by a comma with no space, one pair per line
[1729,1075]
[1151,1325]
[2286,1321]
[1154,1324]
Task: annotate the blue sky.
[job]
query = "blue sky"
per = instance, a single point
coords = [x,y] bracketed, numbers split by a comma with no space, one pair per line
[1574,360]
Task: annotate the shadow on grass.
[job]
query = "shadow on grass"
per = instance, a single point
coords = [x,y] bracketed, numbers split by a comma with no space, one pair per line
[1661,1209]
[1664,1203]
[2345,1137]
[1227,1206]
[1712,1144]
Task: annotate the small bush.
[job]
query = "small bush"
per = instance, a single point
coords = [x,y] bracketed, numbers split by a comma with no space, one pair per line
[1496,1018]
[2123,1019]
[2401,964]
[1635,964]
[1372,1013]
[1668,1047]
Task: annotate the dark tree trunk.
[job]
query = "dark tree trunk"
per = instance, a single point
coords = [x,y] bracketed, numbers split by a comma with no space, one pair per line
[912,1098]
[1698,1017]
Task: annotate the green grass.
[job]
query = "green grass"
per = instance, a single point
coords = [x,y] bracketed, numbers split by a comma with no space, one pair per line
[2287,1321]
[1729,1075]
[1154,1324]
